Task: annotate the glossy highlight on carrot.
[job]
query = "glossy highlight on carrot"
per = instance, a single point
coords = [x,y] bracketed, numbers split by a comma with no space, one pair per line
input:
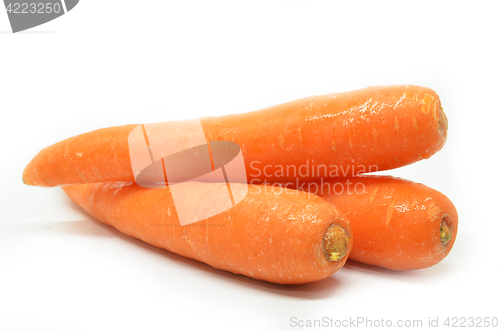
[397,224]
[371,129]
[274,234]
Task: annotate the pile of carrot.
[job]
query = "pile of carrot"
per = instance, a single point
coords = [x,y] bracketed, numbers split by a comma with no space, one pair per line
[279,231]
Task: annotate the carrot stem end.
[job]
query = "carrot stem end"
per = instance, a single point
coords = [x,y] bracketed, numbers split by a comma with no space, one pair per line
[446,232]
[335,243]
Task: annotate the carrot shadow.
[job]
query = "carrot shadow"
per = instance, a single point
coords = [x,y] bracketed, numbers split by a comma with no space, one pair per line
[417,276]
[311,291]
[76,227]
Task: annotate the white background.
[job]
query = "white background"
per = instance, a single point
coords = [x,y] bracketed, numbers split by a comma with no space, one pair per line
[113,62]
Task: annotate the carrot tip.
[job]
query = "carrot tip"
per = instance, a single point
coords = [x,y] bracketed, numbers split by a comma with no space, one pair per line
[335,243]
[24,181]
[445,231]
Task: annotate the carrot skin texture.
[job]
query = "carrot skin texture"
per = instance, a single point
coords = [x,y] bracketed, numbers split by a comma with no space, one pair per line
[372,129]
[274,235]
[396,222]
[92,157]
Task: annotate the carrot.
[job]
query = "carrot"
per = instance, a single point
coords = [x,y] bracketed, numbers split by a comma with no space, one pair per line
[397,224]
[371,129]
[273,234]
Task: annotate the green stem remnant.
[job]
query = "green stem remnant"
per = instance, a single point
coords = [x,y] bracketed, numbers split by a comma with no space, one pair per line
[335,243]
[446,231]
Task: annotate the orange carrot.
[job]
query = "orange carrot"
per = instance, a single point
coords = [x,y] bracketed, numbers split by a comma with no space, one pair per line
[397,224]
[375,128]
[274,234]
